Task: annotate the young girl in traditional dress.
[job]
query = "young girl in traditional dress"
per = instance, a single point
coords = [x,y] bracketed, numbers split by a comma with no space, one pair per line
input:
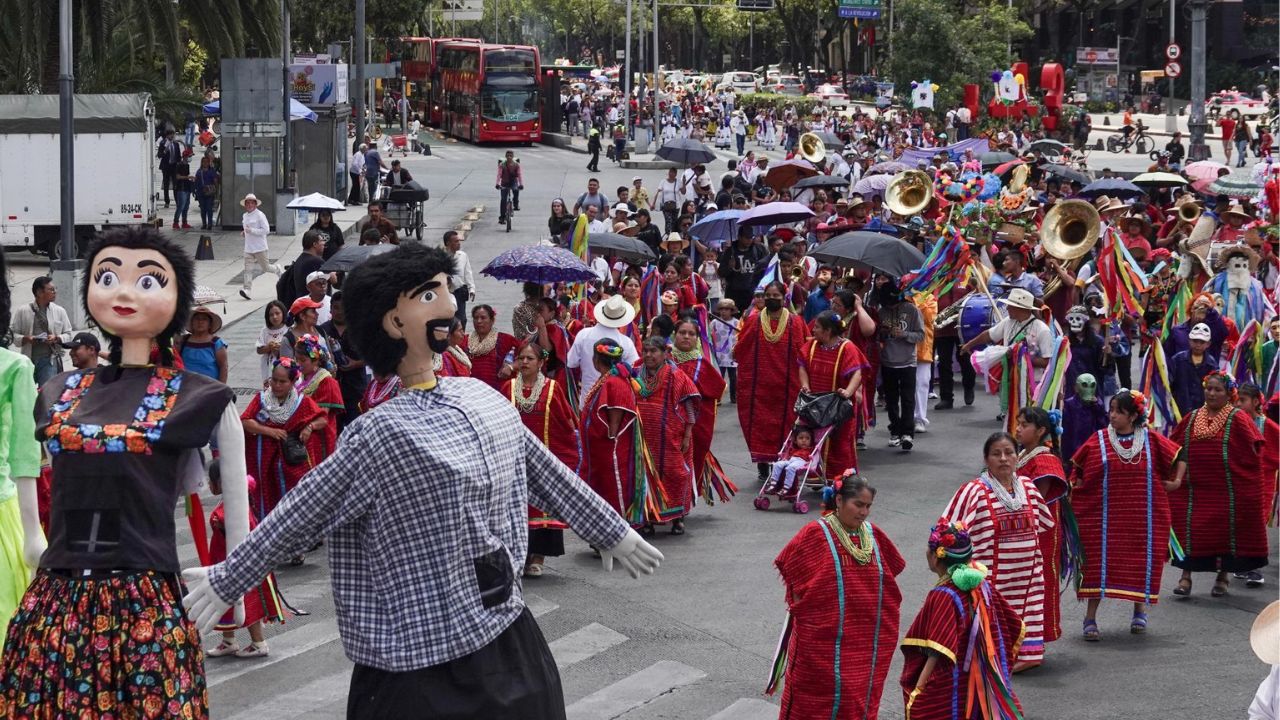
[965,628]
[667,401]
[1120,478]
[316,382]
[610,436]
[1038,435]
[1005,514]
[709,478]
[724,335]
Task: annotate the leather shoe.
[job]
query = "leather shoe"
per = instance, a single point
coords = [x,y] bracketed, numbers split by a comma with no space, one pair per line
[968,396]
[944,405]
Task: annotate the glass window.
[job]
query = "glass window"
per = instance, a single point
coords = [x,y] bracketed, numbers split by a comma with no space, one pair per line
[513,105]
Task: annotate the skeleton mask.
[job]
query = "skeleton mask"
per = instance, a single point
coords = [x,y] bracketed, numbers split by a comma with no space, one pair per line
[1238,272]
[1086,387]
[1077,318]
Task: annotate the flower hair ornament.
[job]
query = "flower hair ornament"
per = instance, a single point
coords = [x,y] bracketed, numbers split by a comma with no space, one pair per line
[310,346]
[290,366]
[1139,400]
[1055,416]
[830,491]
[1227,380]
[613,352]
[949,542]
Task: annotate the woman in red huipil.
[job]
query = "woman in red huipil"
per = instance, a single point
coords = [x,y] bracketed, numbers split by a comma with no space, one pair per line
[317,383]
[770,343]
[611,441]
[860,325]
[454,362]
[710,385]
[491,351]
[668,404]
[842,594]
[272,415]
[544,407]
[830,363]
[1037,435]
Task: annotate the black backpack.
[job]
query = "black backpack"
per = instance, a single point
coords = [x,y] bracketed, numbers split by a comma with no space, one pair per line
[284,286]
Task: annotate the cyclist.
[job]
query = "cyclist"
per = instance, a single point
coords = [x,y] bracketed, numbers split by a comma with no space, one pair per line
[1127,128]
[510,180]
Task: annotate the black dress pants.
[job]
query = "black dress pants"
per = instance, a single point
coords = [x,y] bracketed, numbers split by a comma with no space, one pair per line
[899,385]
[948,347]
[512,678]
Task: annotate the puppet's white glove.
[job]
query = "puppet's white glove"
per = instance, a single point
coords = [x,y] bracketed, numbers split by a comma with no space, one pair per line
[633,554]
[203,605]
[33,540]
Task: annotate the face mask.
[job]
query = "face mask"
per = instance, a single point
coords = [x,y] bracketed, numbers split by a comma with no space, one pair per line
[1077,322]
[773,304]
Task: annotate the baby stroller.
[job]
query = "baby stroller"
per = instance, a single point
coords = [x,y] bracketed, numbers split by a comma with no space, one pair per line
[819,414]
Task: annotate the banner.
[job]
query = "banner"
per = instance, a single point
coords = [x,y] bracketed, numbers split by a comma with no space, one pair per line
[922,94]
[955,151]
[884,95]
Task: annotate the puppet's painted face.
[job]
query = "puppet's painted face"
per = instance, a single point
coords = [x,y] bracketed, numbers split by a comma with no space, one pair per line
[1238,265]
[134,292]
[422,318]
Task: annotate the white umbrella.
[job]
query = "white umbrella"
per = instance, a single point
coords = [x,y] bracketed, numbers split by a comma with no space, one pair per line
[316,202]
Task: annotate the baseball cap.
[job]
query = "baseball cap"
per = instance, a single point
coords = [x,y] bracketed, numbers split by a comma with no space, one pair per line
[303,303]
[85,338]
[1200,332]
[317,275]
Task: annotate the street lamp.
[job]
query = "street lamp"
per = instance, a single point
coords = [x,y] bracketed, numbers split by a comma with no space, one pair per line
[1196,124]
[66,270]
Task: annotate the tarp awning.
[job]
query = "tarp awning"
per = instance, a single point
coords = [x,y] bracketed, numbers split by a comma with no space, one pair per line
[38,114]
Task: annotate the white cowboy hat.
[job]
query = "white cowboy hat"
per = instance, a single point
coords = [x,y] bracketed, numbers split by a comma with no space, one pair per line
[615,312]
[1020,298]
[1264,636]
[249,197]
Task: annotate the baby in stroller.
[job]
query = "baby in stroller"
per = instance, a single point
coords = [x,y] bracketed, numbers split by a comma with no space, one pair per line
[797,459]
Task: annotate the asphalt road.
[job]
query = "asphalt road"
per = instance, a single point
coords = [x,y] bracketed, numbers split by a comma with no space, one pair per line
[695,640]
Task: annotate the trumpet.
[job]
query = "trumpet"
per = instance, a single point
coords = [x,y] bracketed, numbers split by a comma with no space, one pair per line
[948,316]
[797,274]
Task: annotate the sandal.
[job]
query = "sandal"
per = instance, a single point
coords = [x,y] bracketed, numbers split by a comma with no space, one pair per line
[1023,666]
[677,527]
[1138,625]
[648,530]
[1091,633]
[533,570]
[224,648]
[1184,588]
[1220,587]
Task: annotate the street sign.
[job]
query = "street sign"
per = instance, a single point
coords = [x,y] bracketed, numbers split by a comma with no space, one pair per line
[859,3]
[620,54]
[1173,51]
[261,129]
[1096,56]
[1173,68]
[861,13]
[755,5]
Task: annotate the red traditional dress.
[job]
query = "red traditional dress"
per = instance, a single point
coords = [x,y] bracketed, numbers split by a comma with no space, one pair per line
[668,404]
[1270,432]
[453,362]
[1122,511]
[546,411]
[261,604]
[870,349]
[944,627]
[710,386]
[325,391]
[560,344]
[843,625]
[830,369]
[1045,470]
[264,458]
[379,391]
[488,354]
[1004,529]
[1218,514]
[611,464]
[768,353]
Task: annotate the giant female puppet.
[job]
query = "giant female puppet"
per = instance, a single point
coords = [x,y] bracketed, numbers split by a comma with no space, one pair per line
[101,631]
[453,448]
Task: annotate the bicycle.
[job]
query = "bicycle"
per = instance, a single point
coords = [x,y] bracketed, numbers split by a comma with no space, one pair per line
[1138,139]
[506,201]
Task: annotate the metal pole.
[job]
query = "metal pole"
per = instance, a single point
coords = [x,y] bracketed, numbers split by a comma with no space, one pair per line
[358,74]
[1171,120]
[657,81]
[495,21]
[287,180]
[1008,39]
[751,42]
[626,84]
[66,135]
[1197,149]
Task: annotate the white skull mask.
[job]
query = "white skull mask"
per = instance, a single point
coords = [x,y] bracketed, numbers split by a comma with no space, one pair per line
[1238,272]
[1076,322]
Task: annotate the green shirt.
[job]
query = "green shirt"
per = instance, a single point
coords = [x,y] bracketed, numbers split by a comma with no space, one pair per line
[19,450]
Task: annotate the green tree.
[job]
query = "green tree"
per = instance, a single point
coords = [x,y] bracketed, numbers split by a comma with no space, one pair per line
[314,24]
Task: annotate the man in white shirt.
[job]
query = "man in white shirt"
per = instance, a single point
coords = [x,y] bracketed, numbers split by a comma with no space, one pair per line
[318,291]
[738,124]
[667,199]
[1022,324]
[355,168]
[42,328]
[595,223]
[254,228]
[610,315]
[461,282]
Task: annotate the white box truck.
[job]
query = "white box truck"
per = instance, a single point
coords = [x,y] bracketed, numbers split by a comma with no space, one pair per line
[115,156]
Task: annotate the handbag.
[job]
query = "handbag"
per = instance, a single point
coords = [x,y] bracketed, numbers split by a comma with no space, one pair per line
[295,452]
[823,409]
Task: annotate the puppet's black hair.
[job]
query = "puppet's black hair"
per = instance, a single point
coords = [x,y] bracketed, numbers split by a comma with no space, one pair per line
[373,288]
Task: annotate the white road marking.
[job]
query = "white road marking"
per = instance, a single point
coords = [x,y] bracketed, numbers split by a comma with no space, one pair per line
[318,693]
[583,643]
[539,605]
[289,644]
[634,690]
[748,709]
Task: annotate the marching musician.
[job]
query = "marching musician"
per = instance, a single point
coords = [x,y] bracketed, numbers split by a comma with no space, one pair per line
[1013,274]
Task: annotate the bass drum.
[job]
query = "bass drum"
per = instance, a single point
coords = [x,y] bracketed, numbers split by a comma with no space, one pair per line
[975,317]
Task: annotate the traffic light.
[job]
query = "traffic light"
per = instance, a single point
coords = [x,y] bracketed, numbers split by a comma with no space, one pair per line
[755,5]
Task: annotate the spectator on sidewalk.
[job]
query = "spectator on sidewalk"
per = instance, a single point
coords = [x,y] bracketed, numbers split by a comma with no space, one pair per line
[309,261]
[462,283]
[84,349]
[254,228]
[375,220]
[42,327]
[355,168]
[373,167]
[169,153]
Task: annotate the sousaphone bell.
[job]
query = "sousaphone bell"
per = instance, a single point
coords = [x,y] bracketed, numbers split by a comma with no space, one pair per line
[909,193]
[1069,231]
[812,148]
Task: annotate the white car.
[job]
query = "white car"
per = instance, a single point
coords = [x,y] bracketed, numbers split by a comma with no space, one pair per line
[741,82]
[788,85]
[831,96]
[1228,100]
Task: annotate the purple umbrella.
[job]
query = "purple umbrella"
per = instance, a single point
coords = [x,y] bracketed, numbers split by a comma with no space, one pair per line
[872,186]
[539,263]
[774,213]
[888,167]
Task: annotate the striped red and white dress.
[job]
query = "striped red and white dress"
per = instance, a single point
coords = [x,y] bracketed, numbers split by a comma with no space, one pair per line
[1006,541]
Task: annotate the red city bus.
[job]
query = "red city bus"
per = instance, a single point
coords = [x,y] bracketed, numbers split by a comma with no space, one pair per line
[490,93]
[415,68]
[432,102]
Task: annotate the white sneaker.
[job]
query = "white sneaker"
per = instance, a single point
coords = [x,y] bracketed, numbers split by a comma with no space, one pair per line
[922,426]
[894,441]
[224,648]
[254,650]
[907,443]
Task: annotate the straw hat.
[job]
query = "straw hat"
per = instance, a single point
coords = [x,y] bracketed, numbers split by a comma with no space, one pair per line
[1107,204]
[1020,298]
[674,238]
[1235,208]
[249,197]
[215,322]
[1227,253]
[1264,636]
[615,312]
[1124,220]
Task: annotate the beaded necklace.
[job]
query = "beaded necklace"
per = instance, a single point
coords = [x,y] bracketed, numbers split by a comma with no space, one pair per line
[1031,454]
[860,552]
[1132,454]
[682,356]
[478,346]
[649,382]
[1012,502]
[527,404]
[779,328]
[382,390]
[1205,426]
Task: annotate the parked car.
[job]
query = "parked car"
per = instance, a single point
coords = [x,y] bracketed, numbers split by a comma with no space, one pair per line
[788,85]
[1228,100]
[831,96]
[740,81]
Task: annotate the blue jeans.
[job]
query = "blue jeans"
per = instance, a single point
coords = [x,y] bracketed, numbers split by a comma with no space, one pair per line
[206,210]
[46,368]
[182,198]
[1242,150]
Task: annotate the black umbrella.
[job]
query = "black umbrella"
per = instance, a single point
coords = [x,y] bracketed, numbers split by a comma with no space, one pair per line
[867,249]
[352,255]
[992,159]
[821,181]
[1049,147]
[621,246]
[683,151]
[830,140]
[1067,173]
[1114,187]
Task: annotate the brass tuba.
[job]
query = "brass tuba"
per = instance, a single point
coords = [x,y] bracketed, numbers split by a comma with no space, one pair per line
[909,193]
[1069,231]
[812,148]
[1189,213]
